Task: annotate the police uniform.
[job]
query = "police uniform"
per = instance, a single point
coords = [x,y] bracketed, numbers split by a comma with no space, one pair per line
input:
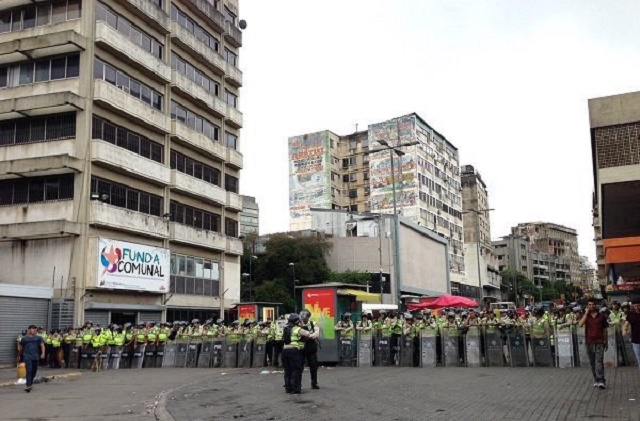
[310,350]
[292,355]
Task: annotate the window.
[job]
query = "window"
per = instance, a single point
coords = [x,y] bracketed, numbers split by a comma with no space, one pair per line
[37,129]
[231,227]
[104,130]
[353,177]
[41,14]
[352,161]
[200,33]
[345,178]
[133,87]
[353,193]
[232,99]
[365,175]
[194,121]
[194,168]
[194,276]
[125,197]
[30,190]
[39,71]
[231,183]
[231,141]
[194,217]
[187,70]
[231,57]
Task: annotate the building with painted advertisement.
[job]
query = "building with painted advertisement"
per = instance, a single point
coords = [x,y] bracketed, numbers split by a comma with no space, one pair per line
[119,160]
[427,180]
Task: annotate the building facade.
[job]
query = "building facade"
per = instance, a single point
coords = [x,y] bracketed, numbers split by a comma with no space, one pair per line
[477,238]
[119,157]
[249,217]
[353,172]
[615,146]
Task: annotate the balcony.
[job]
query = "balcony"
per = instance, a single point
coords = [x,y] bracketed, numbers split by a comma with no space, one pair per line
[233,75]
[201,52]
[42,41]
[38,212]
[113,41]
[122,103]
[151,13]
[38,150]
[234,117]
[539,266]
[40,104]
[121,219]
[208,12]
[234,246]
[233,35]
[121,159]
[234,158]
[197,237]
[197,188]
[234,201]
[40,166]
[197,140]
[39,230]
[199,94]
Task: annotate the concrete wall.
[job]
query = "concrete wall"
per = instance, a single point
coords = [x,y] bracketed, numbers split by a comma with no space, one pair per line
[423,262]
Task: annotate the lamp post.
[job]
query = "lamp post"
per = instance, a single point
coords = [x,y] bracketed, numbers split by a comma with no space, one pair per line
[251,258]
[396,222]
[293,270]
[245,276]
[478,212]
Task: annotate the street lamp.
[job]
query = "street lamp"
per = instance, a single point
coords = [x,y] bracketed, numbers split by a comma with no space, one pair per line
[295,302]
[244,276]
[396,242]
[251,258]
[478,212]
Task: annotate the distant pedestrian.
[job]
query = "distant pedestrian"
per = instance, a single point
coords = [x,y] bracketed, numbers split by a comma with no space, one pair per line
[31,351]
[595,324]
[632,325]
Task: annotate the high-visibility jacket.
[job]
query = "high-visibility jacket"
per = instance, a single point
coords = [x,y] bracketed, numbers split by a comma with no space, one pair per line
[86,336]
[95,341]
[56,340]
[119,339]
[296,339]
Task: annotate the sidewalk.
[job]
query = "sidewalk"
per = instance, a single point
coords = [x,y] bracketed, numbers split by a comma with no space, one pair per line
[8,376]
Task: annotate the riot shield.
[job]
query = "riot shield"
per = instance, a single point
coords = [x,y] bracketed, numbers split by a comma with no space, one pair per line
[204,359]
[564,348]
[193,349]
[581,345]
[216,353]
[406,351]
[244,353]
[230,358]
[493,347]
[451,346]
[138,356]
[169,351]
[149,356]
[541,346]
[383,351]
[114,357]
[517,347]
[346,352]
[181,354]
[160,354]
[106,350]
[629,355]
[74,357]
[428,347]
[125,356]
[364,349]
[472,341]
[259,351]
[611,354]
[86,358]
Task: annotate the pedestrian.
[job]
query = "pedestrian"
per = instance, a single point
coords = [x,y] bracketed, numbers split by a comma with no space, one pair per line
[595,331]
[632,326]
[310,348]
[292,356]
[31,351]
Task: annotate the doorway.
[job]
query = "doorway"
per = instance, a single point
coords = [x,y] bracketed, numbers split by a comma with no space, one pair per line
[120,319]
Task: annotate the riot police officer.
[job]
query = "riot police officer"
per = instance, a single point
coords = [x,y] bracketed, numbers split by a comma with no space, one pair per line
[310,350]
[292,357]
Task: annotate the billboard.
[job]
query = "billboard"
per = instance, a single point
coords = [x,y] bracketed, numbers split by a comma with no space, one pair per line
[130,266]
[247,311]
[322,305]
[309,175]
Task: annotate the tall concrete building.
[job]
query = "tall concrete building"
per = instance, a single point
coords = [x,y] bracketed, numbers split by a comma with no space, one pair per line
[249,217]
[353,172]
[615,146]
[119,160]
[480,260]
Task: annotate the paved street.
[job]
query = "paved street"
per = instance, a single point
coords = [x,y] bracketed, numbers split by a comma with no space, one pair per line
[357,394]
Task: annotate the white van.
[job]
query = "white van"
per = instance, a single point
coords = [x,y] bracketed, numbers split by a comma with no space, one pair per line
[502,307]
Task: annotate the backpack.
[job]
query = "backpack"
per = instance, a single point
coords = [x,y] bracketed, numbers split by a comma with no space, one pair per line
[286,335]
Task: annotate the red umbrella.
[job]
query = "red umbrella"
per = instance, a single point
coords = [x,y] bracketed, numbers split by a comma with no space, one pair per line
[444,301]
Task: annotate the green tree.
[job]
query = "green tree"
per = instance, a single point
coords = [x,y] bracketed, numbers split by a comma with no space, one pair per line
[350,277]
[275,291]
[515,282]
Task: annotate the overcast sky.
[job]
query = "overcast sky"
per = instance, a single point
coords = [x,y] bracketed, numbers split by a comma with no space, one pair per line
[506,82]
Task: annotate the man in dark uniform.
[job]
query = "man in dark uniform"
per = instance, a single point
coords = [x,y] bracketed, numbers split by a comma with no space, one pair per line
[310,349]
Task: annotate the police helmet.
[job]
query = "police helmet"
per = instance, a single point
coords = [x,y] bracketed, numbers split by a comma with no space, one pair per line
[195,321]
[560,308]
[208,322]
[246,322]
[626,304]
[451,314]
[346,315]
[465,314]
[219,321]
[97,329]
[577,309]
[305,314]
[261,324]
[236,322]
[293,318]
[151,323]
[615,302]
[366,314]
[383,311]
[604,310]
[527,308]
[408,316]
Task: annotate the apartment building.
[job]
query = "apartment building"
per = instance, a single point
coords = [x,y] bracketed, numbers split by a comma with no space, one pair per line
[119,160]
[353,172]
[615,145]
[249,217]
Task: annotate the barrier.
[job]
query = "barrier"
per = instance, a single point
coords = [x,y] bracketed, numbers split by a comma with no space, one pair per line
[149,356]
[114,357]
[259,351]
[230,358]
[451,347]
[192,353]
[472,347]
[181,354]
[383,352]
[217,353]
[346,352]
[541,346]
[106,350]
[493,347]
[244,353]
[204,359]
[564,348]
[630,356]
[169,354]
[365,354]
[160,354]
[428,347]
[73,357]
[406,351]
[125,356]
[581,346]
[611,354]
[517,347]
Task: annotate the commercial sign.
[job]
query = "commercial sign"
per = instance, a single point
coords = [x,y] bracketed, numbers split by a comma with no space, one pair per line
[131,266]
[247,312]
[322,305]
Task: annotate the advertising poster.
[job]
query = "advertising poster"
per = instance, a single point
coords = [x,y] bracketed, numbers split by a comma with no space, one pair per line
[247,311]
[130,266]
[268,313]
[322,305]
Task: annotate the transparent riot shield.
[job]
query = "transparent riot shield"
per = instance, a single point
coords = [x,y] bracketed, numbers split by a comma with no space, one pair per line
[230,359]
[245,349]
[630,356]
[138,356]
[74,356]
[125,356]
[204,359]
[181,352]
[114,357]
[259,351]
[611,354]
[86,357]
[169,357]
[517,347]
[346,352]
[541,345]
[581,345]
[160,354]
[428,347]
[106,350]
[451,346]
[149,356]
[193,349]
[472,342]
[492,347]
[383,348]
[564,347]
[365,354]
[406,351]
[216,353]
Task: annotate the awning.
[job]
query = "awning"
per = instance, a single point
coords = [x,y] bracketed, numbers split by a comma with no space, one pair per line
[490,286]
[362,296]
[622,250]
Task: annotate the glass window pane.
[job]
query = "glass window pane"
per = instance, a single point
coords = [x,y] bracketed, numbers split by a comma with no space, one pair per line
[58,68]
[207,269]
[42,70]
[17,21]
[134,88]
[73,66]
[172,263]
[29,17]
[136,36]
[110,74]
[26,73]
[59,11]
[124,27]
[191,266]
[5,22]
[73,9]
[198,290]
[199,268]
[44,15]
[206,287]
[122,81]
[145,93]
[189,286]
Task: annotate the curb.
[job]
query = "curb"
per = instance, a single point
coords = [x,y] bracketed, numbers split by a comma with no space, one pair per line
[45,378]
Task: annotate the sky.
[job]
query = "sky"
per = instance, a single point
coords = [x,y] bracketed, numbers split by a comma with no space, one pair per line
[506,82]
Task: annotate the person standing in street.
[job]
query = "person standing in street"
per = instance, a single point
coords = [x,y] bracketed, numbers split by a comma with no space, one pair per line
[595,324]
[310,348]
[31,351]
[292,353]
[632,325]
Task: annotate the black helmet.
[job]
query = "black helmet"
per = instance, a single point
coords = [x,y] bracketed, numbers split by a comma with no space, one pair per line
[346,315]
[293,318]
[305,314]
